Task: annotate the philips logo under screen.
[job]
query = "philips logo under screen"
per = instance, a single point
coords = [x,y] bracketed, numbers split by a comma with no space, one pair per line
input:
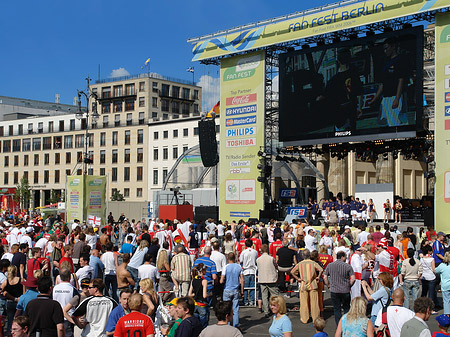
[241,132]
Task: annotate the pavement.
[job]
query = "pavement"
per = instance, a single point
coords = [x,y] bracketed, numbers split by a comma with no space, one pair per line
[254,323]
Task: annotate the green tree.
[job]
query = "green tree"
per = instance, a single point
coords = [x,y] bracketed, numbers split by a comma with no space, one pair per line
[117,196]
[23,193]
[55,196]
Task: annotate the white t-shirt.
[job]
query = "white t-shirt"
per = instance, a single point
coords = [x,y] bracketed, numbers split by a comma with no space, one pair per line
[91,240]
[362,237]
[109,263]
[327,240]
[344,249]
[211,228]
[310,243]
[85,272]
[396,317]
[161,235]
[8,256]
[41,243]
[220,230]
[148,271]
[63,292]
[97,311]
[26,239]
[219,259]
[248,261]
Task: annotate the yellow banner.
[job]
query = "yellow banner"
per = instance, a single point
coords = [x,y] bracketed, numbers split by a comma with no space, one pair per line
[95,205]
[311,24]
[241,135]
[74,198]
[442,123]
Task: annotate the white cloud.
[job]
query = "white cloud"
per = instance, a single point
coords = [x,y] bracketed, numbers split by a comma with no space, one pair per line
[210,91]
[119,72]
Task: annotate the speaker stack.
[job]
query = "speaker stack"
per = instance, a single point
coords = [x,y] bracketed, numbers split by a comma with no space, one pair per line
[208,142]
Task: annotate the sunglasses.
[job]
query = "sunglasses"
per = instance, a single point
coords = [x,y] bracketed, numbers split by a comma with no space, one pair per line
[91,287]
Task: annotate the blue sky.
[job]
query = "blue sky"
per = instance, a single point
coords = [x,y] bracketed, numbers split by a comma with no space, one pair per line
[49,47]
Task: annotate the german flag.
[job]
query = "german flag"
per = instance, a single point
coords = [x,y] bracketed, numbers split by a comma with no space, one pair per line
[215,110]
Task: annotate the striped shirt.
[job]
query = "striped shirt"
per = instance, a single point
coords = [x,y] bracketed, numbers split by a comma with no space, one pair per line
[210,270]
[339,273]
[308,271]
[181,267]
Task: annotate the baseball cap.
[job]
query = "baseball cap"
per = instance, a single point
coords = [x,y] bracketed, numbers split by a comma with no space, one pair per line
[85,282]
[214,240]
[30,229]
[173,302]
[347,227]
[443,320]
[441,233]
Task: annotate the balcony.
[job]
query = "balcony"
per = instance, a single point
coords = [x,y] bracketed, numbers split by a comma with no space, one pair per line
[167,94]
[122,96]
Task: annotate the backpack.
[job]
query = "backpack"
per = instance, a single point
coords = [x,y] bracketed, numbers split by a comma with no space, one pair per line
[383,329]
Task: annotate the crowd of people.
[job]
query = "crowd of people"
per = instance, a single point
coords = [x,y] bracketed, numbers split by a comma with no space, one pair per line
[161,277]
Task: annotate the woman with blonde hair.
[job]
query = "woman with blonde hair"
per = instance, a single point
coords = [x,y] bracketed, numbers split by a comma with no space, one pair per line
[150,297]
[355,323]
[281,324]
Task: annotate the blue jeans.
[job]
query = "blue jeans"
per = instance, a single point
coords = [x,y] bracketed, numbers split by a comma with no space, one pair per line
[202,313]
[134,275]
[111,281]
[446,301]
[233,296]
[341,302]
[249,282]
[410,288]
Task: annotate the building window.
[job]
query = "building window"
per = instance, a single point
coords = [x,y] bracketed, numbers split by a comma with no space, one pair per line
[175,133]
[1,130]
[25,175]
[16,145]
[11,130]
[105,121]
[106,108]
[196,109]
[46,159]
[102,156]
[36,159]
[129,119]
[155,115]
[16,177]
[40,127]
[126,192]
[56,176]
[196,131]
[5,178]
[117,120]
[20,129]
[185,108]
[185,148]
[175,91]
[57,142]
[79,172]
[165,153]
[176,107]
[155,135]
[139,192]
[118,90]
[6,161]
[195,94]
[50,126]
[61,126]
[6,146]
[68,157]
[155,154]
[140,136]
[26,144]
[106,92]
[140,155]
[154,102]
[68,142]
[141,118]
[25,160]
[175,116]
[185,132]
[47,143]
[175,152]
[185,93]
[79,157]
[57,158]
[102,171]
[118,106]
[165,89]
[164,175]
[139,173]
[141,102]
[36,144]
[67,172]
[165,105]
[79,141]
[36,177]
[90,172]
[155,86]
[30,128]
[141,86]
[46,176]
[72,125]
[114,157]
[165,117]
[16,160]
[129,104]
[115,137]
[130,89]
[114,174]
[126,174]
[165,134]
[127,156]
[91,140]
[127,137]
[102,138]
[155,177]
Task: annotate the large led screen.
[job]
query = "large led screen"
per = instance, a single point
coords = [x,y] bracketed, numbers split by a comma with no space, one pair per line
[360,89]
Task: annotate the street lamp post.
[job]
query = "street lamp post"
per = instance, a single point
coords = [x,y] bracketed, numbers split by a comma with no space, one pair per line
[94,117]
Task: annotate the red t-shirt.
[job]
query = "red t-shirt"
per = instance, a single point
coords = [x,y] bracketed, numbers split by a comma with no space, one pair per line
[68,259]
[257,245]
[274,246]
[429,234]
[108,229]
[134,324]
[325,259]
[32,265]
[373,244]
[240,246]
[45,261]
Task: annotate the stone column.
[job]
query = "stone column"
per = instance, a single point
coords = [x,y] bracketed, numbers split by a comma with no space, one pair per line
[385,170]
[322,165]
[338,176]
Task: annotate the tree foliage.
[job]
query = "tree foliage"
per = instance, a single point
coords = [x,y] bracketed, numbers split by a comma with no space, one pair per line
[23,193]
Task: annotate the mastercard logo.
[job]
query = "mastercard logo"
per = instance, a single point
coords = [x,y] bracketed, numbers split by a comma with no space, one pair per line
[229,122]
[447,97]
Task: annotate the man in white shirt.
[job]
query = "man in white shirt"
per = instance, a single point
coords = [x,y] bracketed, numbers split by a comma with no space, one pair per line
[63,292]
[110,262]
[327,241]
[27,237]
[86,271]
[41,243]
[211,226]
[220,232]
[147,270]
[220,260]
[362,236]
[248,261]
[310,240]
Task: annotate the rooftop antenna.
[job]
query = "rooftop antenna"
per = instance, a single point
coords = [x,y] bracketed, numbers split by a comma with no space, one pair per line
[75,101]
[57,96]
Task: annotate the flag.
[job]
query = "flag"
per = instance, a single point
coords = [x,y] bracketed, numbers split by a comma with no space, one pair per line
[178,237]
[215,110]
[190,69]
[146,63]
[94,220]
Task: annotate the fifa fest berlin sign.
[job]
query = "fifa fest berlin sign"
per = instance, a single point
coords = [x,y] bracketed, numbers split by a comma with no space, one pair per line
[310,23]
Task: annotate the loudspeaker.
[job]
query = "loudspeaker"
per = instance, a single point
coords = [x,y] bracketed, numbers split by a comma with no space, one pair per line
[208,142]
[428,217]
[202,213]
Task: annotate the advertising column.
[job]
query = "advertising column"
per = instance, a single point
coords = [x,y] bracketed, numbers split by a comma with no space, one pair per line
[442,123]
[242,94]
[74,198]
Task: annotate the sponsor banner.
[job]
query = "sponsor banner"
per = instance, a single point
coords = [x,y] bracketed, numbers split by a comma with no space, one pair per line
[241,142]
[241,110]
[240,121]
[74,198]
[240,163]
[240,170]
[288,193]
[240,214]
[239,132]
[238,100]
[95,203]
[298,211]
[442,122]
[303,25]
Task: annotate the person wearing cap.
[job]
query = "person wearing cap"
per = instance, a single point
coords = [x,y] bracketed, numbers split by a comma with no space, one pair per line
[438,248]
[357,263]
[30,294]
[417,326]
[121,310]
[28,237]
[444,323]
[171,307]
[387,258]
[396,313]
